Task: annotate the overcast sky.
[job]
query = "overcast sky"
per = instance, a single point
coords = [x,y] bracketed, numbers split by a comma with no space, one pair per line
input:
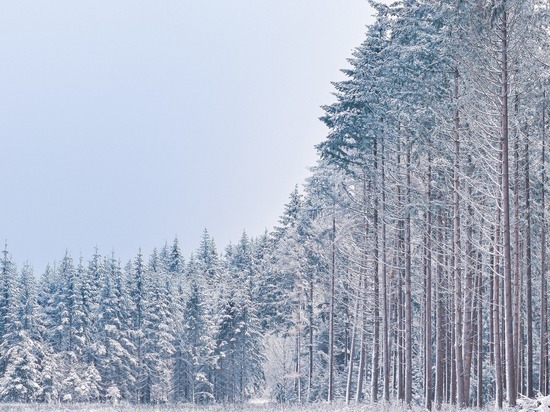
[125,123]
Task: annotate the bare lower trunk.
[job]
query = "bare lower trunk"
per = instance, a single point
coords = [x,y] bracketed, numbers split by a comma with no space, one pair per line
[543,375]
[479,402]
[352,353]
[458,358]
[516,286]
[511,388]
[468,332]
[408,297]
[440,359]
[496,320]
[376,298]
[376,294]
[297,364]
[385,309]
[428,302]
[530,392]
[330,394]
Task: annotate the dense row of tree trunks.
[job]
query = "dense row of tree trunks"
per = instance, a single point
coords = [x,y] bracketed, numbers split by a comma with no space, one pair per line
[466,200]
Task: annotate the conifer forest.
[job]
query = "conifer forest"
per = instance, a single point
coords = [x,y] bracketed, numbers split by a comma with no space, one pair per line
[411,268]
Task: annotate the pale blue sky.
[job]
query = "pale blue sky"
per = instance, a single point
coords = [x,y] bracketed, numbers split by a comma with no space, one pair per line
[125,123]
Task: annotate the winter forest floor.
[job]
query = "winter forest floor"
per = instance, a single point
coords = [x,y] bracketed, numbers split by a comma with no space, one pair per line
[267,407]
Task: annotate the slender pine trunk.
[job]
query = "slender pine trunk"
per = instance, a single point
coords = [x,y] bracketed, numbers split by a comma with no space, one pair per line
[330,392]
[458,349]
[428,393]
[511,388]
[543,374]
[530,392]
[408,286]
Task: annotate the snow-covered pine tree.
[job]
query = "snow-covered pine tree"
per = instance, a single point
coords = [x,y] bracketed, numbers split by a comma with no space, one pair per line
[22,349]
[196,350]
[113,335]
[137,286]
[69,337]
[158,335]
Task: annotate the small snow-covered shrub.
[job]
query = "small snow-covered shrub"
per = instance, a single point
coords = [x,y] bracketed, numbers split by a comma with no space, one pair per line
[540,403]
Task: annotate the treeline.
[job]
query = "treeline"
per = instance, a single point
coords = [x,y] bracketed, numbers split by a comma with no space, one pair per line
[412,269]
[158,330]
[432,191]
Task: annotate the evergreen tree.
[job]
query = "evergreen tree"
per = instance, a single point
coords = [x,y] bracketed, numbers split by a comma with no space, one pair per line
[158,336]
[196,351]
[22,348]
[116,361]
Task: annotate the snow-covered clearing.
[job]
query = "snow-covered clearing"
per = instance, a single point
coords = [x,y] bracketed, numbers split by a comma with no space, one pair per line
[267,407]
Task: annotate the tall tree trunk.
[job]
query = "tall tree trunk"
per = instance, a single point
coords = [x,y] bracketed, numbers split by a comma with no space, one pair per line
[543,375]
[440,360]
[496,318]
[511,388]
[458,359]
[310,338]
[530,392]
[362,292]
[385,309]
[400,331]
[297,364]
[428,301]
[330,394]
[468,296]
[362,360]
[401,252]
[516,284]
[352,349]
[479,288]
[376,297]
[408,297]
[359,311]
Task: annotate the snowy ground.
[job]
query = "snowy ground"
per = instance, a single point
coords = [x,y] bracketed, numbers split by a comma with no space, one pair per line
[320,407]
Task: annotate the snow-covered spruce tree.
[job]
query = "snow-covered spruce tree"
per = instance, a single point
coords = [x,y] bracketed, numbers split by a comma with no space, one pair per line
[239,374]
[176,283]
[158,335]
[286,298]
[224,378]
[67,337]
[238,338]
[22,348]
[208,267]
[9,295]
[182,296]
[251,356]
[137,288]
[196,351]
[116,360]
[268,293]
[174,266]
[51,374]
